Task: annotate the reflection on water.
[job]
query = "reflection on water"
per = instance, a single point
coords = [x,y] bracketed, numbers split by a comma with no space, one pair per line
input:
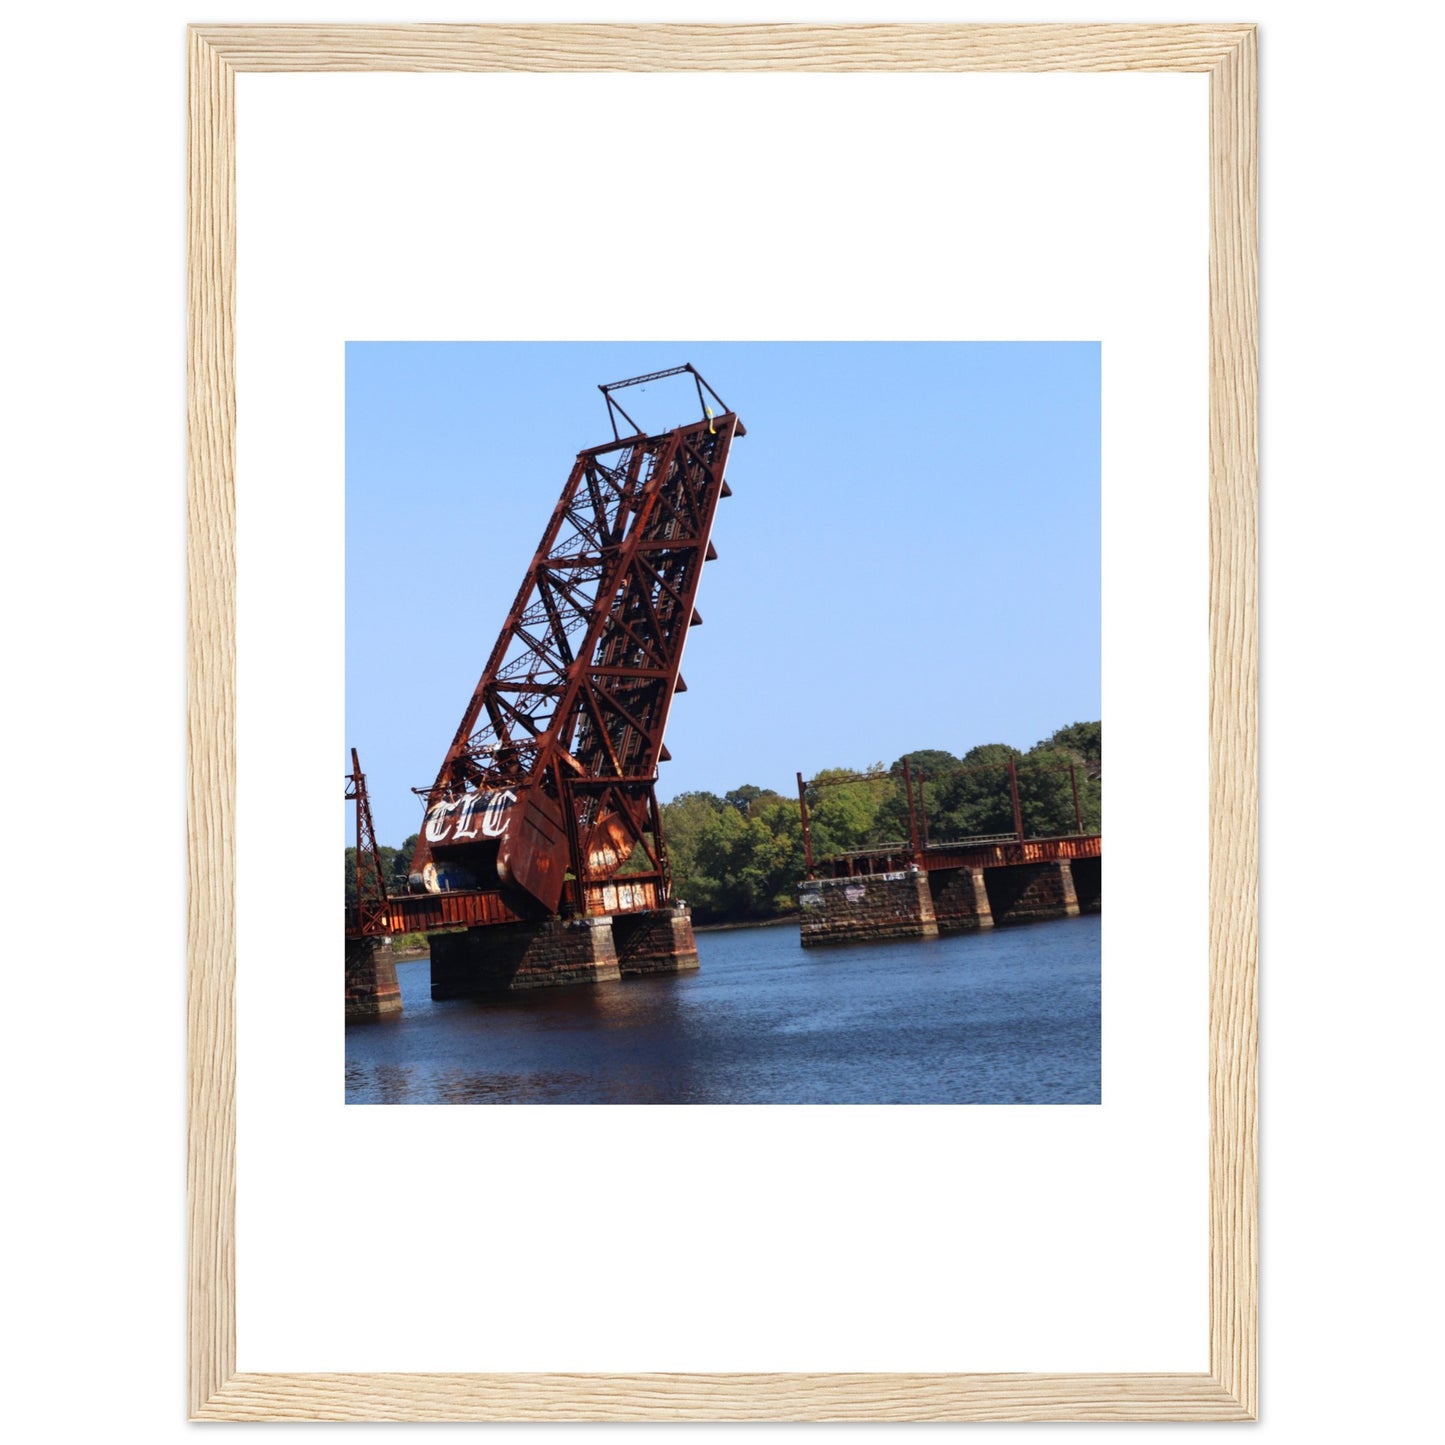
[1009,1016]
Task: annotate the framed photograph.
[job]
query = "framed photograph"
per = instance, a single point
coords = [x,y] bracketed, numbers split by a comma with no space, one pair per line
[965,316]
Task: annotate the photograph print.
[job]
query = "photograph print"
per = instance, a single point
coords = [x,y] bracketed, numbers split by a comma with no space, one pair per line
[848,848]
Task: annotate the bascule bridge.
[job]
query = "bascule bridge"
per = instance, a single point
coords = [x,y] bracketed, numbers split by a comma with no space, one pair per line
[541,857]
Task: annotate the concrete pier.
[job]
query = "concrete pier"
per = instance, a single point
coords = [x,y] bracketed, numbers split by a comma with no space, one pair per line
[960,900]
[954,887]
[510,956]
[1032,891]
[657,941]
[880,905]
[371,987]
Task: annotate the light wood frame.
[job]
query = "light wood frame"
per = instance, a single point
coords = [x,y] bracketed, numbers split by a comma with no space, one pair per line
[1227,53]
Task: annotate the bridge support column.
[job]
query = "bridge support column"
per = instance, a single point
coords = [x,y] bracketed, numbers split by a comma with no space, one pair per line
[657,941]
[371,987]
[869,906]
[510,956]
[1031,891]
[960,900]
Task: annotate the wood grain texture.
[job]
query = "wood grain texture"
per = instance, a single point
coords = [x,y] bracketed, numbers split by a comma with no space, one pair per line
[563,1397]
[1229,1391]
[723,47]
[1233,664]
[211,721]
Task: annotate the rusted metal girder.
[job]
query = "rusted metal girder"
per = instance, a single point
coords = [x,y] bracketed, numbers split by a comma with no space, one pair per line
[369,916]
[1013,787]
[546,791]
[807,827]
[999,850]
[912,815]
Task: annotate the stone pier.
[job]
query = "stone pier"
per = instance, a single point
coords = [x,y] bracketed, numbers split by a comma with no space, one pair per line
[956,887]
[876,905]
[1032,891]
[960,900]
[658,941]
[508,956]
[371,987]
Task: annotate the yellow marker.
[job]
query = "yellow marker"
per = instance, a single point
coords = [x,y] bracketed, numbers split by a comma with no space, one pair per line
[712,430]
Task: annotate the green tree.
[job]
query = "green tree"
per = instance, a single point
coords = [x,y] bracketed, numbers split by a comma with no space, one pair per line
[1085,740]
[843,808]
[1046,792]
[731,864]
[401,865]
[975,799]
[930,764]
[784,822]
[729,856]
[685,821]
[741,798]
[1046,796]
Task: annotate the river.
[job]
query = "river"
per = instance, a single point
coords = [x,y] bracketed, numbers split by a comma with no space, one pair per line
[1007,1016]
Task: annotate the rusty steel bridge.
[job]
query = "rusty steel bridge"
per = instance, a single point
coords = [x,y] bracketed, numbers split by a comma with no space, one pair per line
[545,803]
[542,857]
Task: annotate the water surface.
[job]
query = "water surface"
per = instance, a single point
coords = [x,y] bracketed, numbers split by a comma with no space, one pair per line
[1007,1016]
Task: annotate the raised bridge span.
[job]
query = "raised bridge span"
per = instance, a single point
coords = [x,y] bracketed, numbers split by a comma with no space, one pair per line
[542,840]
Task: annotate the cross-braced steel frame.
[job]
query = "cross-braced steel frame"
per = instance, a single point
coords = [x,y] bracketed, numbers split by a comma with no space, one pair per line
[565,727]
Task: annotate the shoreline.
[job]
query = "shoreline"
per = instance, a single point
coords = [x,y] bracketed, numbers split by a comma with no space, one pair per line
[410,955]
[749,923]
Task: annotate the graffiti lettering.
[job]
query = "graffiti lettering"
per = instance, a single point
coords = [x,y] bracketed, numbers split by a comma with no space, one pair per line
[464,817]
[438,820]
[458,820]
[494,819]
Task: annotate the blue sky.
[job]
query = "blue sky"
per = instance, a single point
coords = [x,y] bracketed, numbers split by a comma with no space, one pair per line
[910,558]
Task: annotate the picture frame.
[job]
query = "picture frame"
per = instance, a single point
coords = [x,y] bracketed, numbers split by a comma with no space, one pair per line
[1229,1389]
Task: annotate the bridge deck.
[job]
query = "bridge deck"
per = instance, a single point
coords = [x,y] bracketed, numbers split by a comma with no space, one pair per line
[481,907]
[994,851]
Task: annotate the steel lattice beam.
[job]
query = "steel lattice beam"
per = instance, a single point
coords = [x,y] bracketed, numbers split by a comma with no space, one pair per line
[371,915]
[547,786]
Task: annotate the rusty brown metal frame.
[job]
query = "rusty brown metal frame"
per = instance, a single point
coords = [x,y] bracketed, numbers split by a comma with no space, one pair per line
[370,916]
[807,828]
[614,407]
[575,695]
[1013,788]
[993,851]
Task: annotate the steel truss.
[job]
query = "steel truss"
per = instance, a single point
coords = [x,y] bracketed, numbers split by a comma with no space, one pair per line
[548,785]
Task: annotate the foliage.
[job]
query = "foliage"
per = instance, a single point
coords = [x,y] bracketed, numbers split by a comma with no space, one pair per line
[395,865]
[1084,741]
[738,857]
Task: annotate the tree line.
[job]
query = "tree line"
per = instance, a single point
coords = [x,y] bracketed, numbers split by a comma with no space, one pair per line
[738,857]
[395,865]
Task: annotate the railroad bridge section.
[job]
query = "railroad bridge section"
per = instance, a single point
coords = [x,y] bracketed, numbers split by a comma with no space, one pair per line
[541,857]
[950,888]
